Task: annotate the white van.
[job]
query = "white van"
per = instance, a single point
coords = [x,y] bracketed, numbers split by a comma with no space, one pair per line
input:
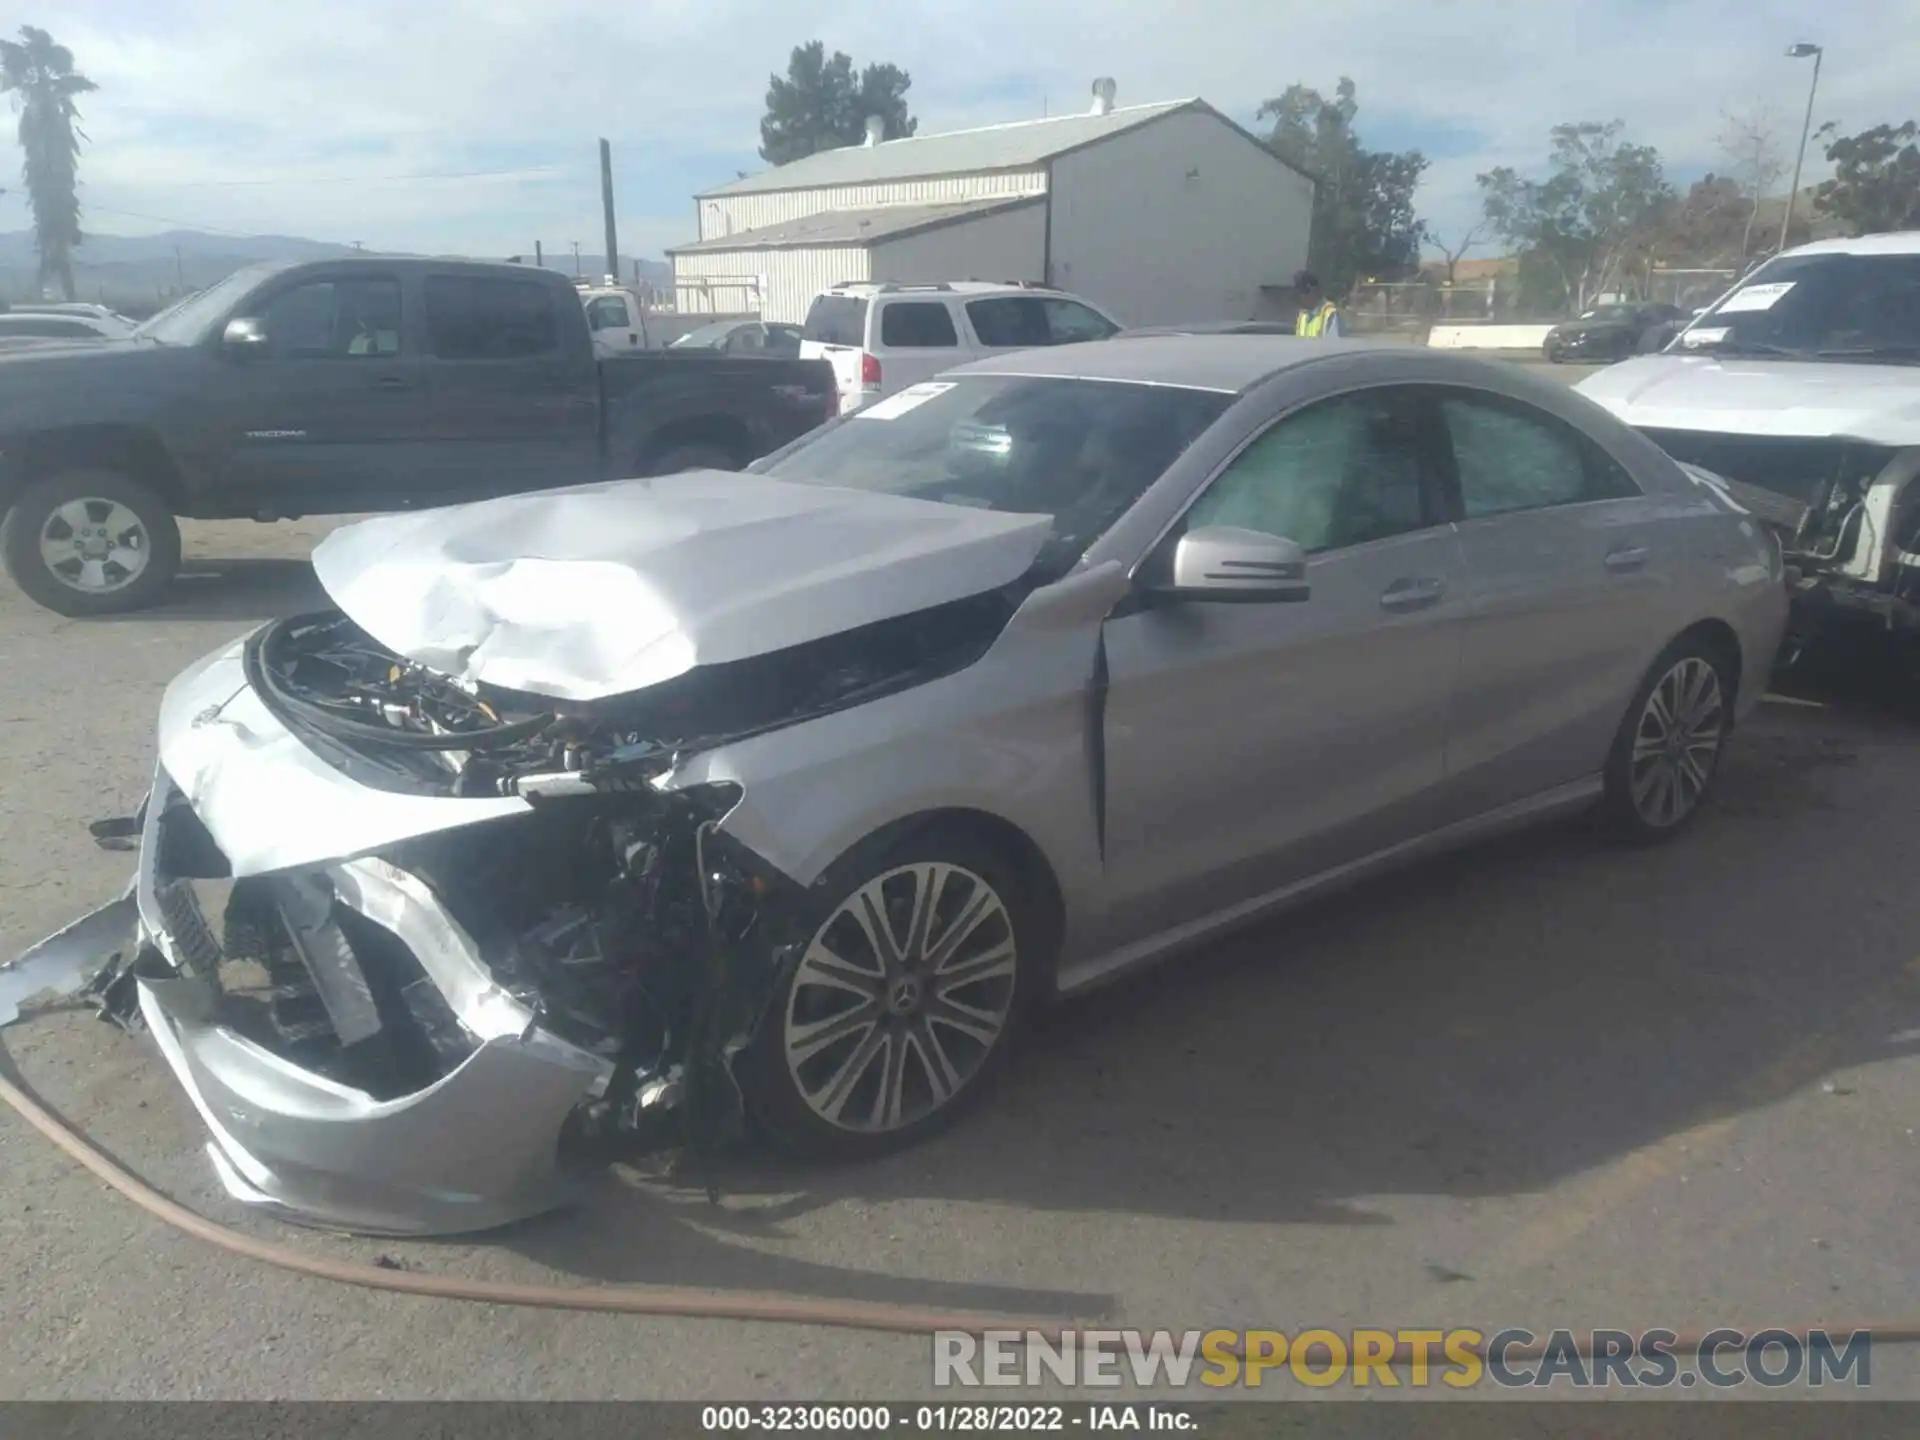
[883,337]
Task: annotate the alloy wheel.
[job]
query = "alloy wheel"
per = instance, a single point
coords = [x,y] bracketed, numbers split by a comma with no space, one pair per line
[1676,743]
[94,545]
[900,998]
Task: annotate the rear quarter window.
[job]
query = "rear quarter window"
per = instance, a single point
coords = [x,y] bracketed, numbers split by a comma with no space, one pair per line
[836,320]
[917,325]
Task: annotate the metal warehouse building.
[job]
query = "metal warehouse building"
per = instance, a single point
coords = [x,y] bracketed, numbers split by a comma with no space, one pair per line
[1162,214]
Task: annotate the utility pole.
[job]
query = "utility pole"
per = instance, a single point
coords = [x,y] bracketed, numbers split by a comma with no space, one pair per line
[1800,52]
[539,259]
[576,259]
[606,207]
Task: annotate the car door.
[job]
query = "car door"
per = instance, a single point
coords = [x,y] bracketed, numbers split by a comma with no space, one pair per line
[1568,567]
[610,318]
[1247,746]
[330,414]
[515,407]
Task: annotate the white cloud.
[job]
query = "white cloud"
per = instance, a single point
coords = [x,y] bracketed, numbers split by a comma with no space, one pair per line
[311,103]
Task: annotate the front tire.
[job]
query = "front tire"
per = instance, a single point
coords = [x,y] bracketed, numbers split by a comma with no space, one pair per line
[90,542]
[1667,753]
[904,1004]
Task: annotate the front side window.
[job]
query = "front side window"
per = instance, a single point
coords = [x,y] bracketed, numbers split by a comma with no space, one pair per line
[1340,472]
[334,320]
[1080,451]
[917,325]
[1511,457]
[476,318]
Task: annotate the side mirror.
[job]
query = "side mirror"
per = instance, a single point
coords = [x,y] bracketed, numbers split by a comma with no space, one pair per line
[1224,562]
[244,336]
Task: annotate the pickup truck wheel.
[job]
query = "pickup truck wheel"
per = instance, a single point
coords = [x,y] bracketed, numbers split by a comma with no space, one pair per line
[90,542]
[692,457]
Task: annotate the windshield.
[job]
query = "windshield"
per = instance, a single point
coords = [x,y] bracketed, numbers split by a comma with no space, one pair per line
[188,322]
[1080,451]
[1609,312]
[706,337]
[1831,306]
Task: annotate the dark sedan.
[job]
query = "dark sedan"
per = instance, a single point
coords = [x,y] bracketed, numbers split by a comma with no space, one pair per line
[1613,332]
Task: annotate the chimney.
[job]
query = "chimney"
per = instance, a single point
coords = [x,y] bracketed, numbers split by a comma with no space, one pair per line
[876,130]
[1102,96]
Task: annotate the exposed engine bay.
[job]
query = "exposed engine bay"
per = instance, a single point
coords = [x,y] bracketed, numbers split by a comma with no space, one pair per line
[1846,513]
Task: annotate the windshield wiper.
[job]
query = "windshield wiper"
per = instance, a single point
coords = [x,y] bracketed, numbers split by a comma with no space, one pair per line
[1898,351]
[1745,347]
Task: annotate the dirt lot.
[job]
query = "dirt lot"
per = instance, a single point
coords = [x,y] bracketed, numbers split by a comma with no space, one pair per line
[1542,1083]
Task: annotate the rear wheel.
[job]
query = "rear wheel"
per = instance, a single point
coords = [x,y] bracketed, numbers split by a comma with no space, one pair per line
[1667,753]
[90,542]
[904,1003]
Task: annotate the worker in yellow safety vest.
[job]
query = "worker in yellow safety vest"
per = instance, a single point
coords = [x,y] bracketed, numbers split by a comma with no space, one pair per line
[1319,317]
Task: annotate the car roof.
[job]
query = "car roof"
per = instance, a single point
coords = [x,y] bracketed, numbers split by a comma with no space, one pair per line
[1896,242]
[868,289]
[1230,363]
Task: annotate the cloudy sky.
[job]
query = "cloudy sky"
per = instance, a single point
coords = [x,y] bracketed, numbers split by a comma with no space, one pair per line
[319,117]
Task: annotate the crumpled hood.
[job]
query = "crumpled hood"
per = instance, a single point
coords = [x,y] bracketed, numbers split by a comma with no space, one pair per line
[1875,404]
[598,590]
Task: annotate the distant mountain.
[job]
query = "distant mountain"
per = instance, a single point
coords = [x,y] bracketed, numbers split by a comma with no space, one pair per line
[652,272]
[140,273]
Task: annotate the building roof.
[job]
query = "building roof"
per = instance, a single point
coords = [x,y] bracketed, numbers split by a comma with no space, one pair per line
[1017,145]
[856,227]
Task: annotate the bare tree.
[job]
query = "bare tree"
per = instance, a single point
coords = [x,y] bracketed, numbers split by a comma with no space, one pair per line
[1453,255]
[1750,142]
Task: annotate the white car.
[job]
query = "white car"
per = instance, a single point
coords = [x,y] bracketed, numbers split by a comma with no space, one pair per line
[883,337]
[1804,381]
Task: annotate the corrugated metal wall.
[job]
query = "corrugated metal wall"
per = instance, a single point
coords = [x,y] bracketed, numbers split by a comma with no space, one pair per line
[731,214]
[787,280]
[1010,246]
[1178,222]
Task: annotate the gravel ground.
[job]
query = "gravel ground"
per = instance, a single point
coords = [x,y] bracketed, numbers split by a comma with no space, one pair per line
[1544,1082]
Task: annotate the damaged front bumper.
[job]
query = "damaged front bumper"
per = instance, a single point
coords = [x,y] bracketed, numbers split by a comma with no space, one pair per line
[476,1146]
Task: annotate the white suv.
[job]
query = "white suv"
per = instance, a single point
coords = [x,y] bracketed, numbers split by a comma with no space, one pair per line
[882,337]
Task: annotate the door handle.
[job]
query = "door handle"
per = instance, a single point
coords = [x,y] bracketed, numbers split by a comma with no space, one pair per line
[1413,594]
[1627,557]
[393,382]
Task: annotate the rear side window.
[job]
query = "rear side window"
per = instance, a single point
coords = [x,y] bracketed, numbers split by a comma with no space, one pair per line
[1512,457]
[609,312]
[479,318]
[917,325]
[836,320]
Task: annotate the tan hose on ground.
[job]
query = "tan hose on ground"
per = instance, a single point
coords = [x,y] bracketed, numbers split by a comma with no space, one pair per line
[668,1300]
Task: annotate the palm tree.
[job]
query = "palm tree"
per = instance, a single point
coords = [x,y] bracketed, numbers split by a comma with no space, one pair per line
[40,76]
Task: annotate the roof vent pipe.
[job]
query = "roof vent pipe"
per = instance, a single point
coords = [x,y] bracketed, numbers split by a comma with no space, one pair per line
[876,130]
[1103,89]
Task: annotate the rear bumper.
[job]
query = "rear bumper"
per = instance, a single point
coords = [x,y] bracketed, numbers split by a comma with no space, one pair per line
[475,1147]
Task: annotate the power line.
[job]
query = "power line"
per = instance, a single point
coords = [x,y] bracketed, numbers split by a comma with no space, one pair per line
[169,220]
[534,173]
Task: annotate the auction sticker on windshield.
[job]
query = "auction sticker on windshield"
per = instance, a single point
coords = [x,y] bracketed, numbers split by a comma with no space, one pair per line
[1755,297]
[911,398]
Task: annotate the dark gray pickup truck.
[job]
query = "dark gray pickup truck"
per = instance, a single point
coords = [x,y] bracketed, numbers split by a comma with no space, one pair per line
[345,386]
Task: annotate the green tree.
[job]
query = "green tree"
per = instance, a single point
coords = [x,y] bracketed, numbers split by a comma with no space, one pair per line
[1363,218]
[820,104]
[1596,215]
[1876,179]
[40,77]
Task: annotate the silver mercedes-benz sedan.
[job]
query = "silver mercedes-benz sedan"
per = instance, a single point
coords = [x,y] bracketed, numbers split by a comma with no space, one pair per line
[787,796]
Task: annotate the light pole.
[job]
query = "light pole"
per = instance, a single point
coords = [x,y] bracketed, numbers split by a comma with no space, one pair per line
[1800,52]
